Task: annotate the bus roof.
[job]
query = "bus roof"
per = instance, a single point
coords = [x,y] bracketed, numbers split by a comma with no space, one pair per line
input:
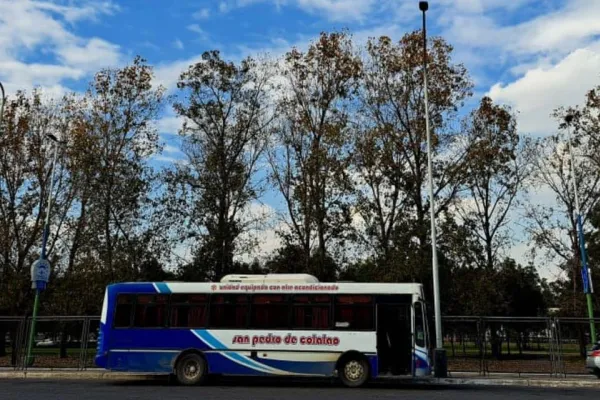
[270,287]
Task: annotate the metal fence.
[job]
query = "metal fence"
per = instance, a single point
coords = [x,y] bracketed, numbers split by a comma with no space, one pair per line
[60,342]
[492,345]
[481,345]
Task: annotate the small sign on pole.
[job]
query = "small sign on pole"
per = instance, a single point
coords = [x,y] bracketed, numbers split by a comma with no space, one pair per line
[40,274]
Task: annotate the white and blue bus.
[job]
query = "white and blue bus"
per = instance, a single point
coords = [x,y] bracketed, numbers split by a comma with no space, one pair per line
[270,325]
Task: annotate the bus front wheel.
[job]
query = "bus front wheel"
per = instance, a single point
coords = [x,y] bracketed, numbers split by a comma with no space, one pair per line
[354,371]
[191,369]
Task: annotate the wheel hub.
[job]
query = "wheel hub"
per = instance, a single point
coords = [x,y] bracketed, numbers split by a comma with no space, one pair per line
[192,369]
[353,370]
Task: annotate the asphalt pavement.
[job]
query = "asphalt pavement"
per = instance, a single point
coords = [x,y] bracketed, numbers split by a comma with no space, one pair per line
[29,389]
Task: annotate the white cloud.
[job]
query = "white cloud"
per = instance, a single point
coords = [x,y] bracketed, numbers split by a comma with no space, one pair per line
[263,231]
[201,14]
[333,10]
[202,34]
[541,90]
[178,44]
[167,74]
[32,28]
[339,10]
[90,56]
[170,124]
[480,6]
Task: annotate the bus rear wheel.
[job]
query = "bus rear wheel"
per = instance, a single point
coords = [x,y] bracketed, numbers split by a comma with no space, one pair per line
[354,371]
[191,369]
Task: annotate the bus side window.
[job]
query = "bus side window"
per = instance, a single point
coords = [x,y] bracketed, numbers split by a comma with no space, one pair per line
[354,312]
[123,311]
[189,311]
[269,311]
[311,311]
[228,311]
[419,325]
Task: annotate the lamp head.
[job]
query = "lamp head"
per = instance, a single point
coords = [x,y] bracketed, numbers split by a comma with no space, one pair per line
[423,6]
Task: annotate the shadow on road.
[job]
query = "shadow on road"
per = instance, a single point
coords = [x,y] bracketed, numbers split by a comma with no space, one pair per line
[310,383]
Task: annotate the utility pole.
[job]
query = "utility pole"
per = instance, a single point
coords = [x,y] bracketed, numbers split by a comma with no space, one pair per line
[40,270]
[439,359]
[586,277]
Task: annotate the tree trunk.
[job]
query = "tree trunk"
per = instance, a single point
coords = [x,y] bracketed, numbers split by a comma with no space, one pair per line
[63,341]
[13,343]
[2,342]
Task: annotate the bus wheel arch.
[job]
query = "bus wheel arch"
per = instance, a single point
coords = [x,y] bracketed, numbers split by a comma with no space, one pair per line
[190,367]
[353,368]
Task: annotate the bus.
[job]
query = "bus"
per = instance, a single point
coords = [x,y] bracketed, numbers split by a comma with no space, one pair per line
[265,325]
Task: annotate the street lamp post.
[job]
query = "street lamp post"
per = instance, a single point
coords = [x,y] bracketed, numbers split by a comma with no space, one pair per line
[588,288]
[439,358]
[40,270]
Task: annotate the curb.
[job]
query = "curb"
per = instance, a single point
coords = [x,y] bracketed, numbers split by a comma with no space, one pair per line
[78,375]
[123,376]
[524,382]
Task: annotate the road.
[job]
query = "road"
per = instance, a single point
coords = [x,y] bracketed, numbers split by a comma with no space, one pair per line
[74,390]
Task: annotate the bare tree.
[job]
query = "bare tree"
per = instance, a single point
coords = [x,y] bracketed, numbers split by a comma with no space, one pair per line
[391,153]
[227,120]
[496,166]
[310,158]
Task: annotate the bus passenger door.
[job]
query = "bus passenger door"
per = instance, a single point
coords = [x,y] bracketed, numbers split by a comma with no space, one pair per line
[420,353]
[394,338]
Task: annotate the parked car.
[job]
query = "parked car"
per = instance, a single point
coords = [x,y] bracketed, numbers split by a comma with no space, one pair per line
[45,343]
[592,361]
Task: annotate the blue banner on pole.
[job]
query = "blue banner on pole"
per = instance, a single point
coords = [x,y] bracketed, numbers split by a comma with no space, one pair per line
[584,267]
[40,274]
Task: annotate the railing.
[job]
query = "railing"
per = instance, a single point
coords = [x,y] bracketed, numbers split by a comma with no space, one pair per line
[481,345]
[60,342]
[493,345]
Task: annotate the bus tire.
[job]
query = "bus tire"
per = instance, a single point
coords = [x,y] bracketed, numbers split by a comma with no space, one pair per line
[191,369]
[354,370]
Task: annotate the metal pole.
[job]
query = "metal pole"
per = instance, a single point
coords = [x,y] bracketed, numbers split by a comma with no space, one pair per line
[45,234]
[585,270]
[440,365]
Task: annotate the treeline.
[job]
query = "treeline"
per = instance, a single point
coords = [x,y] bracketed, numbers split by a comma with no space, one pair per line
[338,132]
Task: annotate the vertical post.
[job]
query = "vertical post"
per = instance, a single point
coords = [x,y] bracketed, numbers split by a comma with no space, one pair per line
[37,284]
[36,303]
[440,365]
[585,270]
[2,101]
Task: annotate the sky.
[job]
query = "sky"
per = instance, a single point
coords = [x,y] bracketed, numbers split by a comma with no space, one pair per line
[534,55]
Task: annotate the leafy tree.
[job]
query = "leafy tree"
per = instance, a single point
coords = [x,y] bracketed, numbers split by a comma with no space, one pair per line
[26,155]
[227,120]
[109,235]
[289,259]
[391,151]
[554,228]
[310,156]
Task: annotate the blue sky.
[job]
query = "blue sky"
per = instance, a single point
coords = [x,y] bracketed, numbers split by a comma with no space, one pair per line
[532,54]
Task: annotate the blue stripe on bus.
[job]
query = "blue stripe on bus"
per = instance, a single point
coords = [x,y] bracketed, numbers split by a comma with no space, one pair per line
[162,288]
[214,343]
